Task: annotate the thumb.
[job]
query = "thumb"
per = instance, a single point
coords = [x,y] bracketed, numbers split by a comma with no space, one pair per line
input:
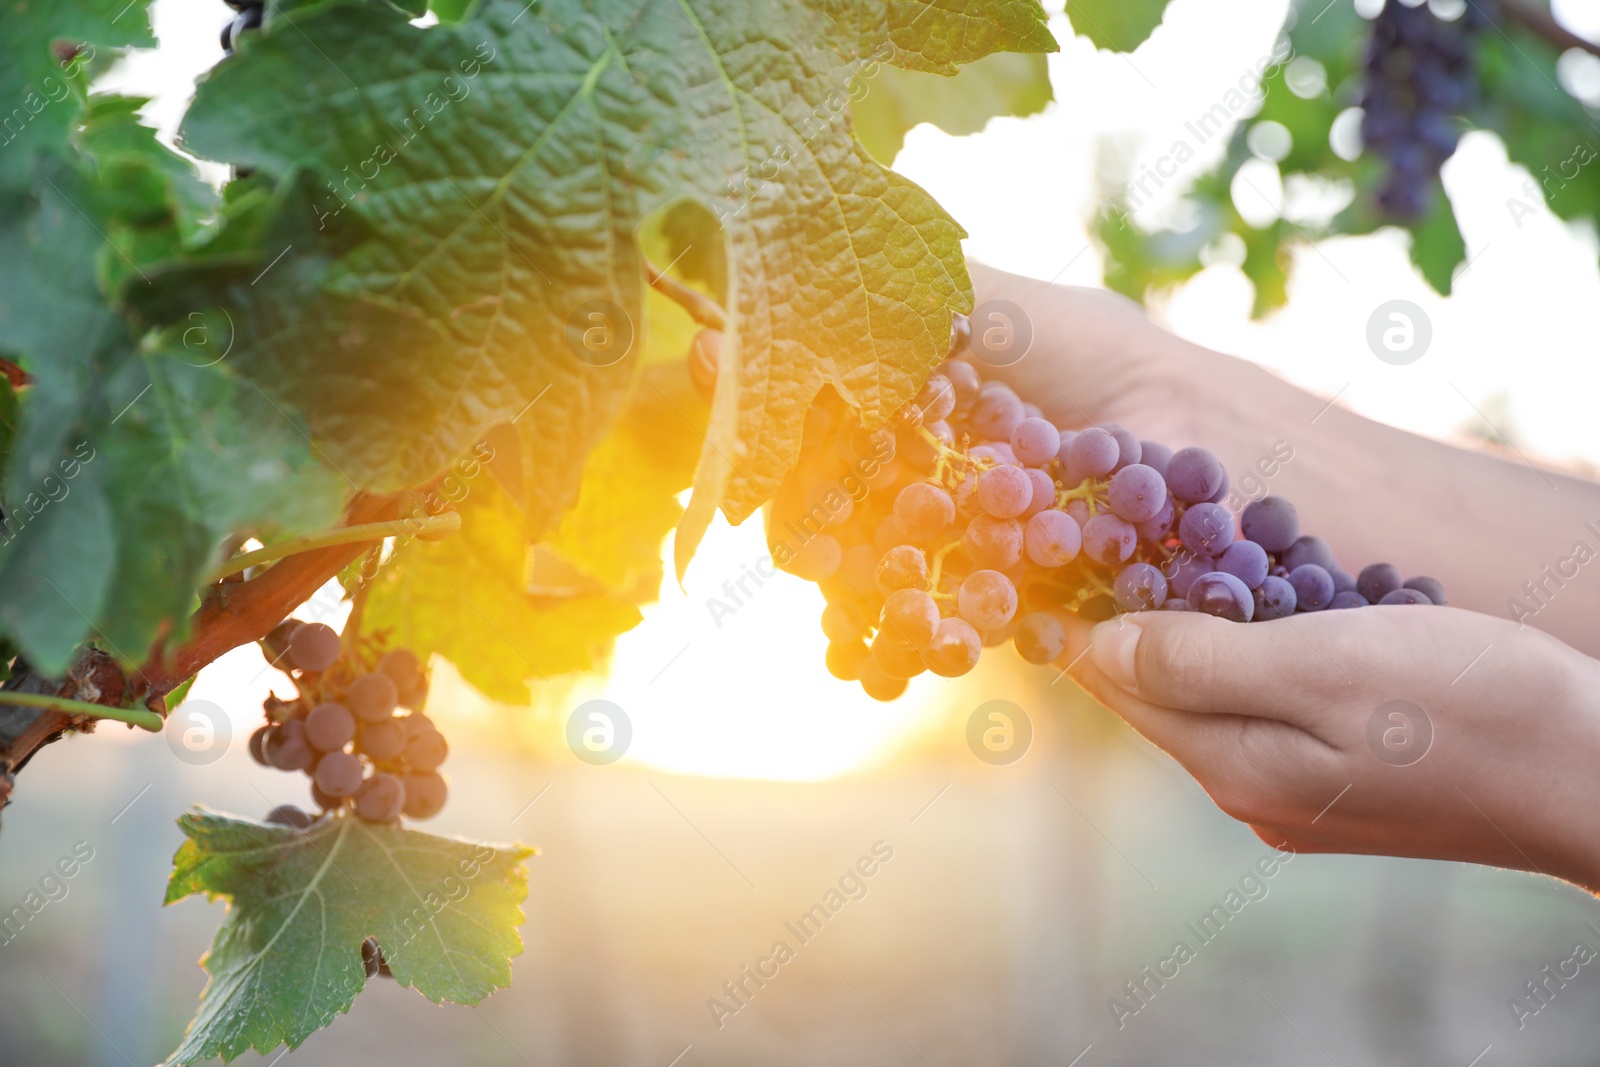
[1200,663]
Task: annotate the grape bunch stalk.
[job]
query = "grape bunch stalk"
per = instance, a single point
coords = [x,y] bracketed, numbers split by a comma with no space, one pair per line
[344,730]
[971,520]
[1421,76]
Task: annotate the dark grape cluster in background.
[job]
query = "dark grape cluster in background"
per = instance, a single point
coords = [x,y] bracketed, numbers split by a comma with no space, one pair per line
[974,521]
[345,727]
[1420,78]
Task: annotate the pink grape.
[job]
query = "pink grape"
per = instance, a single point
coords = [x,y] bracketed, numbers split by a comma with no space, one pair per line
[1004,492]
[987,600]
[1035,441]
[1052,539]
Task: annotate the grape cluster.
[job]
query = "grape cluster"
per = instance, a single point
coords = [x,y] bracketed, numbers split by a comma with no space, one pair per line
[973,520]
[345,731]
[1420,77]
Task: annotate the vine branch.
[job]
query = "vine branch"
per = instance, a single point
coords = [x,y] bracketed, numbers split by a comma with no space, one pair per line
[704,310]
[1542,24]
[434,525]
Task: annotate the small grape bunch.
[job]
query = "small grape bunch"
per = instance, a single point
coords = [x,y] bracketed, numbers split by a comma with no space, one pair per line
[345,728]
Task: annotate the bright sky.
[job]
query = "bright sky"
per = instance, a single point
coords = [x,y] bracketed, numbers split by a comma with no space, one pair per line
[702,697]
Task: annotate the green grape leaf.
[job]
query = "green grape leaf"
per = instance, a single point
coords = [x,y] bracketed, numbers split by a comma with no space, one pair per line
[287,958]
[504,164]
[1117,25]
[895,100]
[1437,246]
[467,598]
[40,92]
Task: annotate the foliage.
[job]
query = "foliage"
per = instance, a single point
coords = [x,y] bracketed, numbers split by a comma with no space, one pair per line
[287,958]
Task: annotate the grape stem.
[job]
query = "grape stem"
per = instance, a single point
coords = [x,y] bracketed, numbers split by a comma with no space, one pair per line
[448,522]
[15,374]
[140,717]
[704,310]
[1542,24]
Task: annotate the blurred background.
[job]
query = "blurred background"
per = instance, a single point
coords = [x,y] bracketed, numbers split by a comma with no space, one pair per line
[1020,899]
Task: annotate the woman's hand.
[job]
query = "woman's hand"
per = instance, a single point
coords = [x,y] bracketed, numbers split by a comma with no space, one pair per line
[1405,731]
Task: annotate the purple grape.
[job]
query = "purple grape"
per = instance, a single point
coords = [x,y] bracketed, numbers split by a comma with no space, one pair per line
[1004,492]
[994,543]
[1377,580]
[987,600]
[1128,446]
[1221,491]
[1246,561]
[1044,492]
[1343,581]
[1139,587]
[1271,522]
[1428,587]
[937,398]
[1313,587]
[1405,596]
[1310,549]
[997,412]
[1040,637]
[1067,437]
[1052,538]
[1155,454]
[902,567]
[964,379]
[1176,603]
[1183,569]
[1156,529]
[1137,493]
[1206,529]
[1193,475]
[923,511]
[954,649]
[998,451]
[1274,598]
[1222,595]
[1035,441]
[1108,539]
[1079,510]
[1094,453]
[1347,598]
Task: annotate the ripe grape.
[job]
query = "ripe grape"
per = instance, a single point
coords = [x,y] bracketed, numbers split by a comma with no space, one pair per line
[1344,582]
[841,623]
[1139,587]
[1274,598]
[1347,598]
[1156,529]
[923,511]
[425,750]
[1052,539]
[1313,587]
[313,647]
[1184,568]
[1155,455]
[903,567]
[818,559]
[1137,493]
[1108,539]
[338,775]
[1246,561]
[997,413]
[1377,581]
[289,815]
[998,451]
[1271,522]
[1094,453]
[330,726]
[1040,637]
[381,741]
[911,615]
[1194,475]
[937,398]
[994,543]
[380,798]
[286,746]
[1428,587]
[1223,595]
[1310,550]
[987,600]
[1044,492]
[1405,596]
[964,379]
[1206,529]
[894,659]
[878,685]
[425,794]
[1176,603]
[876,444]
[1004,492]
[844,658]
[258,743]
[1129,450]
[372,697]
[954,649]
[1035,441]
